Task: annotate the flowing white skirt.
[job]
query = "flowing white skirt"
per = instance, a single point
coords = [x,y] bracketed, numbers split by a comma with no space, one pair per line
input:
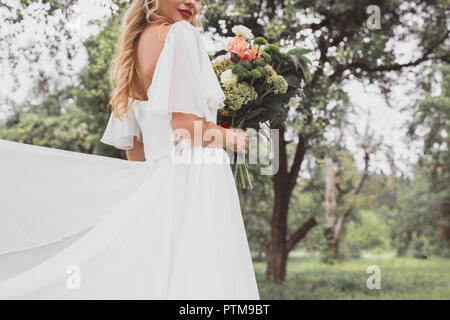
[79,226]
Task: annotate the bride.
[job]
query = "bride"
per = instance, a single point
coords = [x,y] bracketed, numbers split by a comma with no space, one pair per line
[167,223]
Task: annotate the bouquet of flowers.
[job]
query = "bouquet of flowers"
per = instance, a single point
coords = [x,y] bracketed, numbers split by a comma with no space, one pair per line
[258,80]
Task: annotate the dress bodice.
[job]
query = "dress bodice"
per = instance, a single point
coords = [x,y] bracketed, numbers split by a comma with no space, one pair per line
[183,81]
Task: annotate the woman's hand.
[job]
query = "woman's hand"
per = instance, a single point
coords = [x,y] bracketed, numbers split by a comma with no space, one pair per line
[137,153]
[239,140]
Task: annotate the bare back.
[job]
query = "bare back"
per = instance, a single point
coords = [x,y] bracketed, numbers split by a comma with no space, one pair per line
[150,45]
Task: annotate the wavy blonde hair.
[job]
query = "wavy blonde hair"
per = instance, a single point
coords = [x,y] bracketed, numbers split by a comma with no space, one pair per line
[124,71]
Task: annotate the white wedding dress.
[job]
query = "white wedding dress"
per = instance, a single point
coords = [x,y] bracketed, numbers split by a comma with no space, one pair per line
[81,226]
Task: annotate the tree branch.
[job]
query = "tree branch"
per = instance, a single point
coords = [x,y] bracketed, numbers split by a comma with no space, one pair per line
[298,159]
[300,233]
[395,66]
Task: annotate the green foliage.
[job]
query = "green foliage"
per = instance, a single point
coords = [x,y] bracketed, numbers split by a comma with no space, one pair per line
[401,278]
[69,131]
[420,247]
[420,215]
[422,224]
[368,231]
[306,204]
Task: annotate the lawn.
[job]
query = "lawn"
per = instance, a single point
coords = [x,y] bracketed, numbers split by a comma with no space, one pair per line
[401,278]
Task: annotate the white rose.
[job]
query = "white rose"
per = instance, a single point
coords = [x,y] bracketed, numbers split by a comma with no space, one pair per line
[226,41]
[293,101]
[228,78]
[242,31]
[220,58]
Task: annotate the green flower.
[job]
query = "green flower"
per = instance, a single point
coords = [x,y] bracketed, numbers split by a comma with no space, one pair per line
[239,95]
[260,41]
[256,74]
[241,71]
[270,70]
[259,63]
[220,66]
[272,48]
[267,57]
[274,53]
[280,85]
[276,83]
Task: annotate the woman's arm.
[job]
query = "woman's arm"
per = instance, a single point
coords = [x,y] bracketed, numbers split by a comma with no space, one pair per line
[215,137]
[137,153]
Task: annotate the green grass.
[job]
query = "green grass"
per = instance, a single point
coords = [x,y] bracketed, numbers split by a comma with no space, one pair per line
[401,278]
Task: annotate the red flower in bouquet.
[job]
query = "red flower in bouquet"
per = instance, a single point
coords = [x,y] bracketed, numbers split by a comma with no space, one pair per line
[247,55]
[225,125]
[240,47]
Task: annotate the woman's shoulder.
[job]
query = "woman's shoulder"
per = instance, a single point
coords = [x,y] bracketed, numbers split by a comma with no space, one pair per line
[159,32]
[150,46]
[154,35]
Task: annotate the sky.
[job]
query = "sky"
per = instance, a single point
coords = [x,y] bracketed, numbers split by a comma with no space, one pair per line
[369,105]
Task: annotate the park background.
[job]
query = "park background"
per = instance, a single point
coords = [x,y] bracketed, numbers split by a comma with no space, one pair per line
[364,176]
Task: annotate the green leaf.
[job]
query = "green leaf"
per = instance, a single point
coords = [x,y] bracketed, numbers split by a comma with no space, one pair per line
[254,113]
[299,60]
[305,59]
[295,61]
[298,51]
[305,71]
[292,80]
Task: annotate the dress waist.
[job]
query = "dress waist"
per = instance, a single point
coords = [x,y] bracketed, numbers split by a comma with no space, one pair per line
[184,151]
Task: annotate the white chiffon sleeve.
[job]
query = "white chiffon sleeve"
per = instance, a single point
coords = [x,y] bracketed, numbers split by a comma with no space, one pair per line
[121,132]
[184,78]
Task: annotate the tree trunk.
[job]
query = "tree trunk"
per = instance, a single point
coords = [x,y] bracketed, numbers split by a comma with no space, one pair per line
[337,234]
[339,228]
[338,222]
[284,181]
[332,249]
[276,248]
[276,263]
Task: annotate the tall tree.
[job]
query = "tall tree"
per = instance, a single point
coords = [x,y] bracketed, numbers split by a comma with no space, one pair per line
[341,193]
[346,48]
[431,125]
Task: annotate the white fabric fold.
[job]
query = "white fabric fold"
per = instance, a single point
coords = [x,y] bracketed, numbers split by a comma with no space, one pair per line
[36,181]
[120,132]
[184,79]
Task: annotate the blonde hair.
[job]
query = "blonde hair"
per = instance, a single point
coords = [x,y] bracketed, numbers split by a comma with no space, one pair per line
[124,71]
